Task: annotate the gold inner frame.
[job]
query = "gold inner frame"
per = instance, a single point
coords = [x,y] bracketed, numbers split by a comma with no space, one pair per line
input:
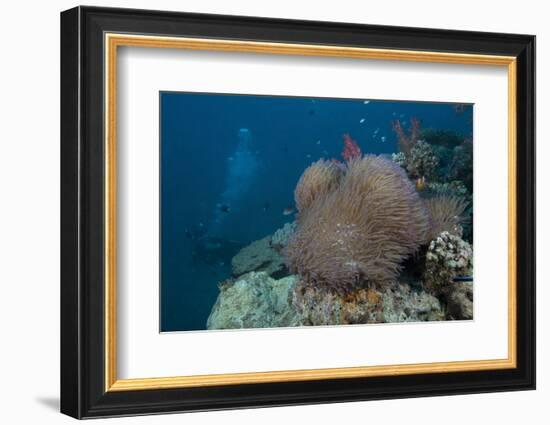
[113,41]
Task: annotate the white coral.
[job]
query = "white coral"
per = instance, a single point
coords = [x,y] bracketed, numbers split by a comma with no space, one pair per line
[448,256]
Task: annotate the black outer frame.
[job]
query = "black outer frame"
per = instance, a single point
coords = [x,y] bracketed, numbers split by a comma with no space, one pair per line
[82,219]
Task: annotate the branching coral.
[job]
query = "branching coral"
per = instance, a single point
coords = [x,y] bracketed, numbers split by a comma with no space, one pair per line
[446,214]
[360,231]
[319,179]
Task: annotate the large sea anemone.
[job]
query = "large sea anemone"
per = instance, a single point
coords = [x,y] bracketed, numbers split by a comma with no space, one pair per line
[319,179]
[355,228]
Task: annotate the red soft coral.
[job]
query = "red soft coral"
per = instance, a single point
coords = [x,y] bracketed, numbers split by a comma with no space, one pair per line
[406,142]
[351,148]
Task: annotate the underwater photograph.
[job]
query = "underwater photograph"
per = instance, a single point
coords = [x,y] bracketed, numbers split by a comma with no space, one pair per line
[279,211]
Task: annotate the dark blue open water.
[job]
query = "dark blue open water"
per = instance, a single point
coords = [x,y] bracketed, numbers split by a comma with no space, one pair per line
[229,165]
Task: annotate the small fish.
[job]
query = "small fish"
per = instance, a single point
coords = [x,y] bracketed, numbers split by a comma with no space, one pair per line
[265,207]
[230,158]
[420,183]
[366,102]
[288,210]
[383,139]
[394,114]
[312,112]
[362,120]
[308,156]
[225,208]
[401,115]
[222,263]
[318,142]
[377,130]
[463,279]
[325,152]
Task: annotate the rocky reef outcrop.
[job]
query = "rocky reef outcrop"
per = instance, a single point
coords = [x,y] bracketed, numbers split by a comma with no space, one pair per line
[264,255]
[449,256]
[396,302]
[254,300]
[281,236]
[259,256]
[269,296]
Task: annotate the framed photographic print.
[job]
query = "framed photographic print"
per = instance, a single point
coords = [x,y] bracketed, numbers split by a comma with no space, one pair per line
[261,212]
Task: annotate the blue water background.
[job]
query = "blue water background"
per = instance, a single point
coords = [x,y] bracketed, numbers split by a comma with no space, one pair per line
[200,137]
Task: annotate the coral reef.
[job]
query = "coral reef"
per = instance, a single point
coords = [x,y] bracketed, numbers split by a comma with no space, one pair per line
[459,301]
[402,304]
[359,232]
[434,154]
[416,156]
[451,188]
[317,180]
[254,300]
[395,303]
[444,138]
[281,236]
[449,256]
[461,167]
[375,241]
[258,300]
[400,159]
[259,256]
[422,161]
[446,215]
